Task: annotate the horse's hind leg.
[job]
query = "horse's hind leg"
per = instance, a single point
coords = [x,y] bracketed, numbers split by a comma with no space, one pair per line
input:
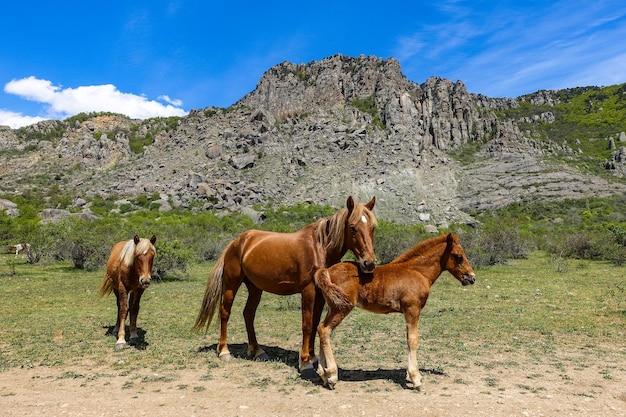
[116,329]
[327,368]
[227,304]
[249,313]
[122,311]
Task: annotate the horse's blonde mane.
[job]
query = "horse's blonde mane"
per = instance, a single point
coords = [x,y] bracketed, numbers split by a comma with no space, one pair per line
[130,250]
[330,230]
[420,249]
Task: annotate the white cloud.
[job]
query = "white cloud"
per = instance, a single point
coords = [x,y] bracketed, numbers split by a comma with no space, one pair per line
[65,102]
[17,120]
[173,102]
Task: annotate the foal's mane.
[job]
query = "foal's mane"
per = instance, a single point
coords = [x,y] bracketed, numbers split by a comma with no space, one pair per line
[330,230]
[130,250]
[420,249]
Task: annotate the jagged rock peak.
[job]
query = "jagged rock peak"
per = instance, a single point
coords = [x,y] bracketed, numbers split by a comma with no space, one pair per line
[289,89]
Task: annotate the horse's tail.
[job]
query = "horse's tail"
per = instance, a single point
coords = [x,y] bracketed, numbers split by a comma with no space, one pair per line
[332,292]
[107,285]
[212,295]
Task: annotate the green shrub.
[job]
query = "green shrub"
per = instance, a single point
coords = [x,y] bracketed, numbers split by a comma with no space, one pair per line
[368,105]
[493,246]
[594,228]
[85,243]
[289,219]
[172,259]
[392,239]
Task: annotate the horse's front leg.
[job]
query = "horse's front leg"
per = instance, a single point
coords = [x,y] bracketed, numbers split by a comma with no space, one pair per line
[135,297]
[318,308]
[308,335]
[413,373]
[249,313]
[122,311]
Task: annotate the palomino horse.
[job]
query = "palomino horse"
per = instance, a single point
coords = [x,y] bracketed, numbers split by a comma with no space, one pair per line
[401,286]
[283,264]
[129,271]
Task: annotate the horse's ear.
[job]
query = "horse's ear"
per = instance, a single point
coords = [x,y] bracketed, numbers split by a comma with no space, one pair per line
[450,238]
[370,204]
[153,239]
[136,239]
[350,204]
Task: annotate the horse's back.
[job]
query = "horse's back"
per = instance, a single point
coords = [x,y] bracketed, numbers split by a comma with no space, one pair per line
[345,273]
[347,276]
[382,291]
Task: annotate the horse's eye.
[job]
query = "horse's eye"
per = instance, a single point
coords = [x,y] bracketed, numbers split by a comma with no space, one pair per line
[459,259]
[353,230]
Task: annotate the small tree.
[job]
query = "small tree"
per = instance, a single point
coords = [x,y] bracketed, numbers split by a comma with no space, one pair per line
[86,243]
[172,259]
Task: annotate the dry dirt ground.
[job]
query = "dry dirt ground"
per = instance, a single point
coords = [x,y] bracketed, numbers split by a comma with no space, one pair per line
[246,388]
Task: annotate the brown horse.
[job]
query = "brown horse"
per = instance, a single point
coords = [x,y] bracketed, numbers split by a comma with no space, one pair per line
[129,271]
[401,286]
[283,264]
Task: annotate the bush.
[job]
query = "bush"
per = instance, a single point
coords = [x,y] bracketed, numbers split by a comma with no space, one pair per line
[580,246]
[85,243]
[493,246]
[172,259]
[391,239]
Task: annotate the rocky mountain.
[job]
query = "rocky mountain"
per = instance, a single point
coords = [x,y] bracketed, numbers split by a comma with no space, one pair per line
[317,133]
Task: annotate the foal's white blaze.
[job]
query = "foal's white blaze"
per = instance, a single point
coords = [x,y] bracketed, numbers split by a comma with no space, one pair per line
[364,219]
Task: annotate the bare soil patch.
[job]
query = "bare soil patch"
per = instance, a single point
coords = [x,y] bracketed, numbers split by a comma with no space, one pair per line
[246,388]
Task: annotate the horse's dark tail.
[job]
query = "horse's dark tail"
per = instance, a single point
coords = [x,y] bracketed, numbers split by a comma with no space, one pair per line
[212,295]
[333,294]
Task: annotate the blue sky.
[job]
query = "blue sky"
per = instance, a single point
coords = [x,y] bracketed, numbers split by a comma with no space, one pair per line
[160,58]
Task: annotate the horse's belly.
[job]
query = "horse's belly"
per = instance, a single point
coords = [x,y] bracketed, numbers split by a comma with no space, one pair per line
[281,284]
[277,287]
[376,303]
[376,308]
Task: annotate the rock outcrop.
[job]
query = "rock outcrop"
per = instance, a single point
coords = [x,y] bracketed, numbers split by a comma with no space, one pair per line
[314,132]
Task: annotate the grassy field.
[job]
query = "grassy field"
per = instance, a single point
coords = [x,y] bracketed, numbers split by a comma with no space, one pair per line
[54,316]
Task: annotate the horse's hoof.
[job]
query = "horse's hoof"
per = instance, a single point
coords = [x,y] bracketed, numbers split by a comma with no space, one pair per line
[225,357]
[120,346]
[306,366]
[415,387]
[309,373]
[262,357]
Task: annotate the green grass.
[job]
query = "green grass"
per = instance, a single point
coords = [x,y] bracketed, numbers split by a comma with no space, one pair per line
[54,316]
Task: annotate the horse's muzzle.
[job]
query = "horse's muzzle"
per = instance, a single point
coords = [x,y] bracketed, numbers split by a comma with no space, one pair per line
[144,282]
[367,266]
[468,279]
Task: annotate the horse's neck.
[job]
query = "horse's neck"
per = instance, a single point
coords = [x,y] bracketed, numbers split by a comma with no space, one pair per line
[334,257]
[429,265]
[330,256]
[323,257]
